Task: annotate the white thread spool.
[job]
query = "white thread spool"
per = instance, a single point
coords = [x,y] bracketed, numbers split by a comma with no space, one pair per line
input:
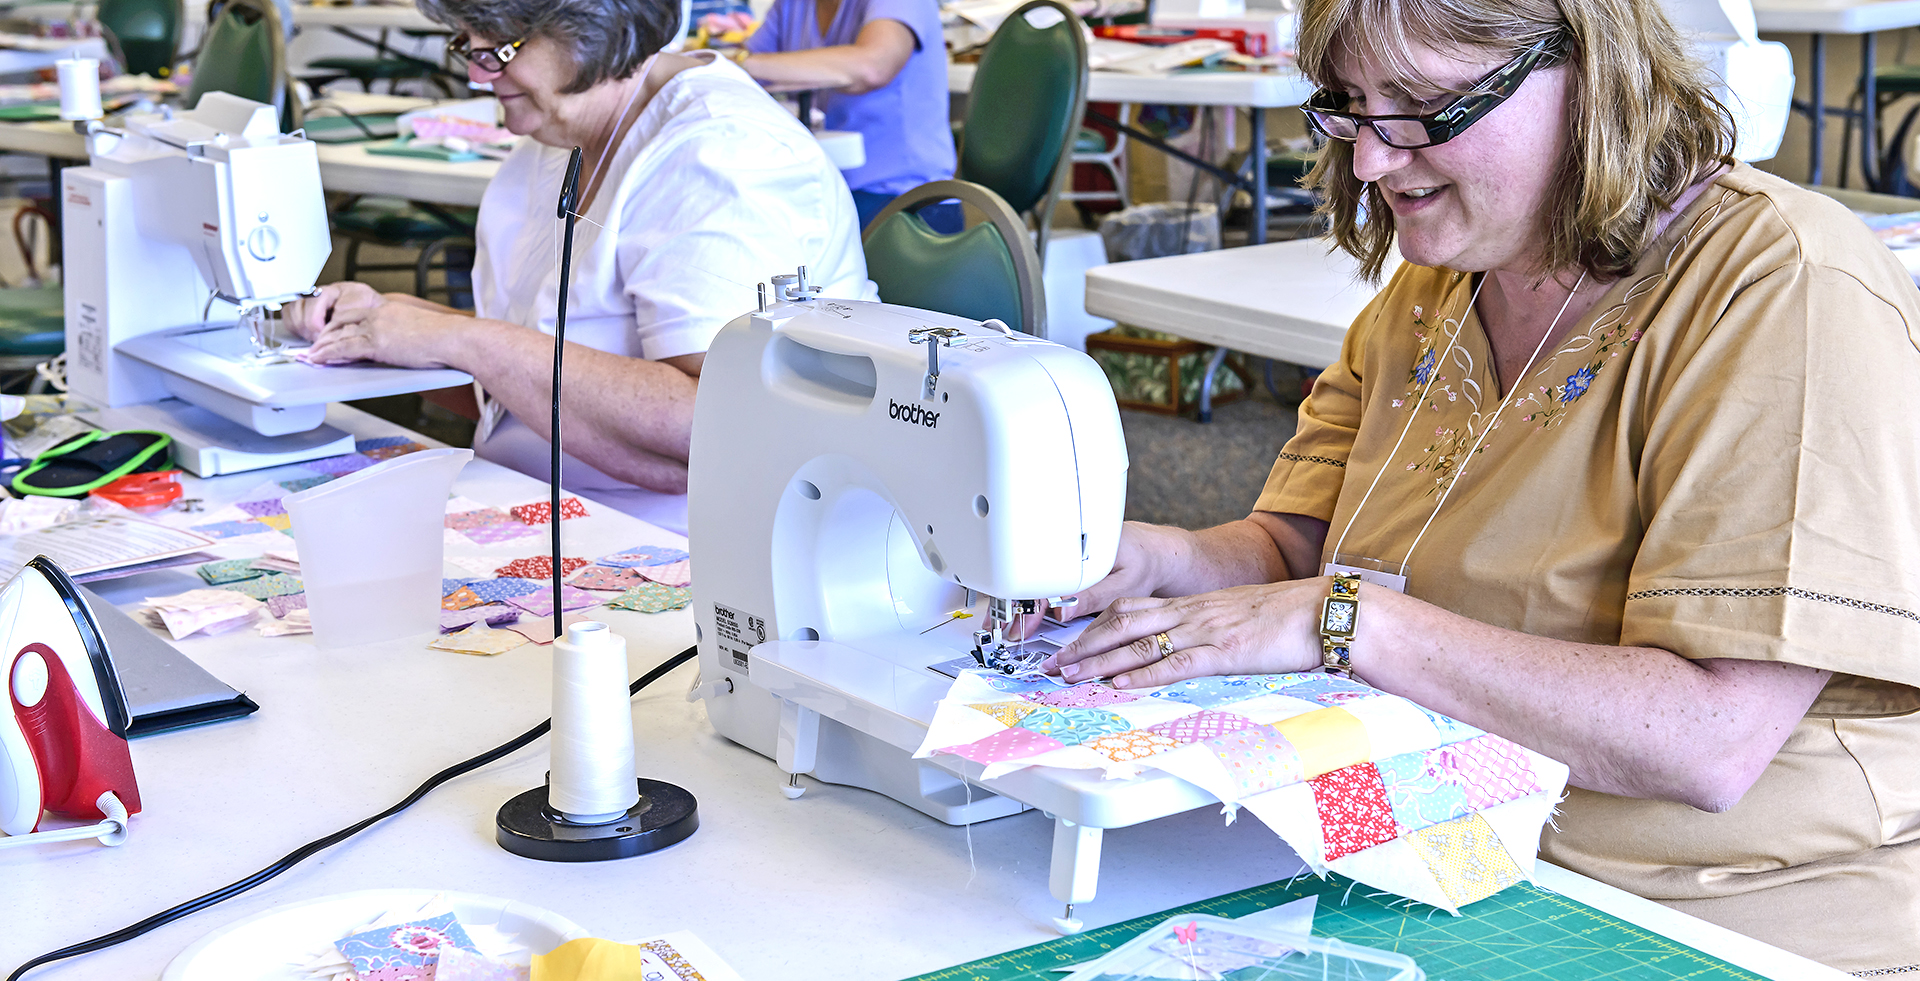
[79,88]
[591,768]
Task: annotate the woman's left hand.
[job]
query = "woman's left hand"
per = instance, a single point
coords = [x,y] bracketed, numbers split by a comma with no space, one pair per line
[392,333]
[1259,629]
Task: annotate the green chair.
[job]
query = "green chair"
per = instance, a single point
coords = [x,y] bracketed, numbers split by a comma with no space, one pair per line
[1023,114]
[144,34]
[988,271]
[245,54]
[439,233]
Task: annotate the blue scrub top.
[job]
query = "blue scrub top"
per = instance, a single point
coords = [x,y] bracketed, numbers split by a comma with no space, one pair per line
[904,123]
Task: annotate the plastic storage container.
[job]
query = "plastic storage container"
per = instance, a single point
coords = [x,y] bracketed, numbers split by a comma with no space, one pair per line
[1213,948]
[372,548]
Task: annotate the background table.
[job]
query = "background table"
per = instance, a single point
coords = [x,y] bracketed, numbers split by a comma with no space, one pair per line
[1254,90]
[841,884]
[1820,18]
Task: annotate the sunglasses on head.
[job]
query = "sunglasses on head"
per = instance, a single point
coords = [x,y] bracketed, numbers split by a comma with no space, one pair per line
[1325,111]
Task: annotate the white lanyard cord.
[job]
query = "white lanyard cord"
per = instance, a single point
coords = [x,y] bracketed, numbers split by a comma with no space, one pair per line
[1411,414]
[606,153]
[1461,471]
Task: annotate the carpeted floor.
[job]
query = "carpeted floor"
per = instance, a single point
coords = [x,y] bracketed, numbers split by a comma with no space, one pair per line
[1195,476]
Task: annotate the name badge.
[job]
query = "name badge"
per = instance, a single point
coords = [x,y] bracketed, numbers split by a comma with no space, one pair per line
[1369,570]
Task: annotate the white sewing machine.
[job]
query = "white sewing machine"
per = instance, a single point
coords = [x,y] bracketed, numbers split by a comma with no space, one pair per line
[179,212]
[861,473]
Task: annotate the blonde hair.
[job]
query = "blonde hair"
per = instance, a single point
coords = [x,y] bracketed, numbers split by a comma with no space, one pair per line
[1643,122]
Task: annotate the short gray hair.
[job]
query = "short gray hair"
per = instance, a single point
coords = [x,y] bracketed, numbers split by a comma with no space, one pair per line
[607,38]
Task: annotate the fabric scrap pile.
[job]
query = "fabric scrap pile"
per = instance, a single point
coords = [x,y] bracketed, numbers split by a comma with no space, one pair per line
[418,945]
[1355,780]
[266,592]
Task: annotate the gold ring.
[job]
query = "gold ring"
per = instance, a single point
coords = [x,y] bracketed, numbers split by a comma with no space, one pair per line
[1165,644]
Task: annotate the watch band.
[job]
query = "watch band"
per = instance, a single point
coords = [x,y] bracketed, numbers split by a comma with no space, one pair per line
[1339,615]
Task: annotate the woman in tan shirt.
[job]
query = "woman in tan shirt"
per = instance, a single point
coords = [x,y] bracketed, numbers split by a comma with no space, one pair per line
[1633,421]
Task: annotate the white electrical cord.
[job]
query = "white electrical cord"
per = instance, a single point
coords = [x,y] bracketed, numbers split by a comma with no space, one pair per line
[112,831]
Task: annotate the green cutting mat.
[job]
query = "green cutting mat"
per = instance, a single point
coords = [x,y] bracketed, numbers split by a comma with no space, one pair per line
[1519,934]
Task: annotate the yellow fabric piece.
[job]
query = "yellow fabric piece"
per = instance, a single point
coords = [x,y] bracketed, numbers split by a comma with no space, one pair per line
[1009,713]
[479,639]
[589,959]
[1466,856]
[1327,740]
[278,522]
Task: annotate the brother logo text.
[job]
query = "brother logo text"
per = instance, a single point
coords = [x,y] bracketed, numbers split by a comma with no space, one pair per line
[912,415]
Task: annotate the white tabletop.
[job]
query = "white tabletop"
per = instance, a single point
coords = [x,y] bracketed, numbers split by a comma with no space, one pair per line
[370,15]
[1257,89]
[1835,16]
[1287,300]
[840,884]
[14,61]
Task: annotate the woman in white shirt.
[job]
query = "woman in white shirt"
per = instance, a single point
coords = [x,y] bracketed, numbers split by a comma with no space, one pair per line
[695,187]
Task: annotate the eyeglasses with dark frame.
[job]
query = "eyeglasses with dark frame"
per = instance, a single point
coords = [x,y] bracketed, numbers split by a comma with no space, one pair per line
[1325,114]
[461,47]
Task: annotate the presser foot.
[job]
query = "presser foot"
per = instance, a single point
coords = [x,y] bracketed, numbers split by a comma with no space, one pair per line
[792,788]
[1068,925]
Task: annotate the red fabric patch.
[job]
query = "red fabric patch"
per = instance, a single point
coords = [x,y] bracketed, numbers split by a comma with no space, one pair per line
[541,512]
[537,567]
[1354,813]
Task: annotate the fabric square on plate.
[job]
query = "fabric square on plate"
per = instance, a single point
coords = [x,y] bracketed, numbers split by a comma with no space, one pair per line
[541,512]
[506,531]
[642,555]
[262,509]
[1258,759]
[1420,795]
[268,585]
[1201,726]
[652,597]
[1008,713]
[1134,744]
[1217,691]
[460,599]
[1328,689]
[1354,813]
[1082,696]
[602,577]
[468,520]
[540,602]
[231,529]
[1074,726]
[296,486]
[411,947]
[538,567]
[672,573]
[228,570]
[340,466]
[1467,858]
[501,590]
[1488,769]
[1005,746]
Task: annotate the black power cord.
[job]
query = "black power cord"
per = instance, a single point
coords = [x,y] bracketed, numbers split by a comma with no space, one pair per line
[316,846]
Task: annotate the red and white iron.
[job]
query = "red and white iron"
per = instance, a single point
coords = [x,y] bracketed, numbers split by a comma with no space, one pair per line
[63,734]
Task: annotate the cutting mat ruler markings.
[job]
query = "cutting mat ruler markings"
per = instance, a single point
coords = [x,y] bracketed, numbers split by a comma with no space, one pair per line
[1521,934]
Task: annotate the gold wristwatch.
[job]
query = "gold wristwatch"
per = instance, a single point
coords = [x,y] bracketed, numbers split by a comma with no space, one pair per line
[1339,613]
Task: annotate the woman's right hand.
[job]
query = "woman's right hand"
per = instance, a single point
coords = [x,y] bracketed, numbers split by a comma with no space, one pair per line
[309,315]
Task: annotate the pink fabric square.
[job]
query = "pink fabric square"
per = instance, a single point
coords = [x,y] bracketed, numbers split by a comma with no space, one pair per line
[505,531]
[1489,769]
[466,520]
[1201,726]
[1005,746]
[668,573]
[1081,696]
[601,577]
[1354,813]
[1258,759]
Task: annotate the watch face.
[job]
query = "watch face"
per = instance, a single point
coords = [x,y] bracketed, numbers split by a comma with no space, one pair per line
[1339,616]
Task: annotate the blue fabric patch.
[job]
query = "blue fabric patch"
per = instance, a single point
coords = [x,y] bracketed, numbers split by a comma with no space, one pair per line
[641,555]
[1075,726]
[1215,692]
[501,590]
[1016,686]
[1419,798]
[231,529]
[1327,689]
[379,443]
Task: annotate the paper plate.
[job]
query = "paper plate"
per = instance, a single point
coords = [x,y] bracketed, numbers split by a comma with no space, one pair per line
[270,946]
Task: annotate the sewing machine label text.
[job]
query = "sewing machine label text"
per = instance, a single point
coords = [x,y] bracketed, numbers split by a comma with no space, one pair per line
[735,633]
[912,415]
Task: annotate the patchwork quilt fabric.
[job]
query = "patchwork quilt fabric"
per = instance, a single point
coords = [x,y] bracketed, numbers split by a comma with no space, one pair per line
[1355,780]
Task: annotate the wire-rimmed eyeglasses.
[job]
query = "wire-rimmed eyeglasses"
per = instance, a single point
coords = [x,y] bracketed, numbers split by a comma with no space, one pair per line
[1326,114]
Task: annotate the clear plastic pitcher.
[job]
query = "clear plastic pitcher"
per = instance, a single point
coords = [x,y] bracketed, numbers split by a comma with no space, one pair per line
[372,548]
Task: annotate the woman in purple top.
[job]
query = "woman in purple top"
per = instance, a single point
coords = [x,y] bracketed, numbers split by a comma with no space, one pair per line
[880,67]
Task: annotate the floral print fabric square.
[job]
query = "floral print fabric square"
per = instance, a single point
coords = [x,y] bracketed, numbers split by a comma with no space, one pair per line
[1329,690]
[1074,726]
[1082,696]
[1419,795]
[1488,769]
[1134,744]
[1006,713]
[1201,726]
[1354,813]
[1008,744]
[1215,692]
[1258,759]
[1467,858]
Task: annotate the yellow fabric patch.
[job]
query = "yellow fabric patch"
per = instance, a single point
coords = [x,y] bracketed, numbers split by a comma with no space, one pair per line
[1327,740]
[1467,858]
[1009,713]
[479,639]
[278,522]
[1134,744]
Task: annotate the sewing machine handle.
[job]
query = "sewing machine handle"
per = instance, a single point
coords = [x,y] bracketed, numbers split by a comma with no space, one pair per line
[831,338]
